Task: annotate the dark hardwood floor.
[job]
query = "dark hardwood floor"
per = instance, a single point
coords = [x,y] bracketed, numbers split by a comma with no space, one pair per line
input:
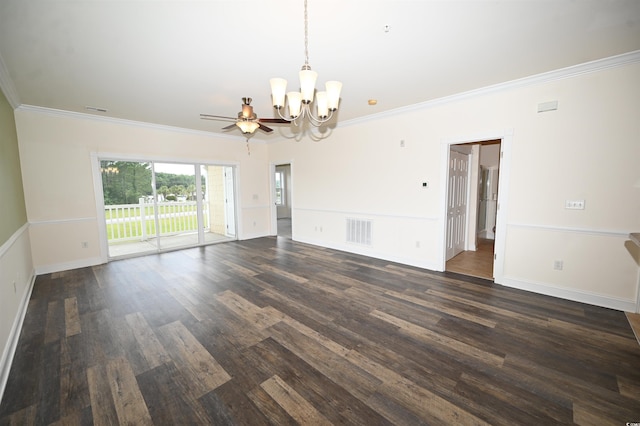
[269,331]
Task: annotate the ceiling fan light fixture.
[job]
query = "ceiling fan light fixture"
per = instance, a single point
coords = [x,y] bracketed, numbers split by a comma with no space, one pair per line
[247,126]
[327,102]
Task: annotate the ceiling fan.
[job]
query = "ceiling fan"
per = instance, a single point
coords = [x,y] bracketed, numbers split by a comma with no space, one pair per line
[247,120]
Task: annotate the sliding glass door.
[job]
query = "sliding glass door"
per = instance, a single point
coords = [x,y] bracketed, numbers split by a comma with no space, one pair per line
[159,206]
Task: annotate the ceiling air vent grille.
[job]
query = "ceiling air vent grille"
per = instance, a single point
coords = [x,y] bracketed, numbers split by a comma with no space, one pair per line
[359,231]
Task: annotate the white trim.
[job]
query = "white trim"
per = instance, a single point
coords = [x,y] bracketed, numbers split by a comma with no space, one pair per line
[506,140]
[637,311]
[547,77]
[367,214]
[58,221]
[562,73]
[587,231]
[272,195]
[14,335]
[254,235]
[500,246]
[353,248]
[145,158]
[273,210]
[130,123]
[6,246]
[98,156]
[7,86]
[103,242]
[627,305]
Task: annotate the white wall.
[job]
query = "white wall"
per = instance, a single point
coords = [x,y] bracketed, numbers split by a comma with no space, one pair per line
[587,149]
[55,155]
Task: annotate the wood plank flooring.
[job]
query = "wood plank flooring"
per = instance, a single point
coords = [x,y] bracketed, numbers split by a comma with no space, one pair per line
[270,331]
[478,263]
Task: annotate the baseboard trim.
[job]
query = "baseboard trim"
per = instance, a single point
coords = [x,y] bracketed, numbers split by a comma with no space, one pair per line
[626,305]
[371,253]
[14,336]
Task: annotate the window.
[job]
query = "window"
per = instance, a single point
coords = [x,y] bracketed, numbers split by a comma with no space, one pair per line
[280,199]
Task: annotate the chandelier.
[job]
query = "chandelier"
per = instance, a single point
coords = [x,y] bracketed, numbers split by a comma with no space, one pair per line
[300,102]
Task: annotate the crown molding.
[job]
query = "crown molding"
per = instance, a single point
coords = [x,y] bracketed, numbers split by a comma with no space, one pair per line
[546,77]
[7,86]
[125,122]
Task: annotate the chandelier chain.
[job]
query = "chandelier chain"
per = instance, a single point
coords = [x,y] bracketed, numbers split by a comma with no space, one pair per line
[300,102]
[306,35]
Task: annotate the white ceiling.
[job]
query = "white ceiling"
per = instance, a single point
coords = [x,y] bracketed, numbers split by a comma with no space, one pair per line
[165,62]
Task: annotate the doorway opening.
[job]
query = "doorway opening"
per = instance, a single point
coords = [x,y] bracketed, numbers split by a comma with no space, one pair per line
[282,200]
[472,201]
[151,207]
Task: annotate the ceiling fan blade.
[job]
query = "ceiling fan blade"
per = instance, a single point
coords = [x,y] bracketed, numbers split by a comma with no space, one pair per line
[273,120]
[265,128]
[216,117]
[229,127]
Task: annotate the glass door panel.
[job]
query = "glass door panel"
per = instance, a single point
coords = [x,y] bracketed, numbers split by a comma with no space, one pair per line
[220,202]
[177,218]
[153,206]
[128,207]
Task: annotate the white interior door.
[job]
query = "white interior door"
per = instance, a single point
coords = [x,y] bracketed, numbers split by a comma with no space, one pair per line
[457,203]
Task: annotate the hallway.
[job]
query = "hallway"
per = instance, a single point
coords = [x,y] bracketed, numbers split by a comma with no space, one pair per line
[477,263]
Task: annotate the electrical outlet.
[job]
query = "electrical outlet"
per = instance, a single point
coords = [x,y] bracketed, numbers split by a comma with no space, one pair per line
[574,204]
[558,265]
[84,244]
[417,244]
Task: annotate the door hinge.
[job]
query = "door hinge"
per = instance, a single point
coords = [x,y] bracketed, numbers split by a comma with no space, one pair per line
[495,256]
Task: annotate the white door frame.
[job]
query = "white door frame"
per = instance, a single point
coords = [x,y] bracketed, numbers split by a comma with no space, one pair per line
[272,191]
[506,137]
[97,156]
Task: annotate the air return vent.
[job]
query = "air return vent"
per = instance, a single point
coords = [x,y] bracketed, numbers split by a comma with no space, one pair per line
[359,231]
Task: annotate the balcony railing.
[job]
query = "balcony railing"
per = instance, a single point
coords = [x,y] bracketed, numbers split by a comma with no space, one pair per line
[137,221]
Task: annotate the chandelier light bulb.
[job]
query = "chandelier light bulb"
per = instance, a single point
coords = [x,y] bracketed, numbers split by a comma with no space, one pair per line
[323,106]
[278,91]
[295,101]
